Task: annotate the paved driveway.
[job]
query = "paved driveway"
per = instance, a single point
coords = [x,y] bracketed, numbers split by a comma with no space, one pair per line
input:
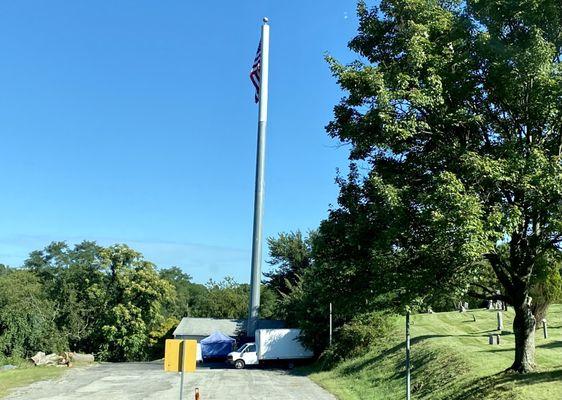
[128,381]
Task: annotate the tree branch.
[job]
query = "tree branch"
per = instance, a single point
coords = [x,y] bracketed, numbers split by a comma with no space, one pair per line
[485,288]
[500,270]
[491,297]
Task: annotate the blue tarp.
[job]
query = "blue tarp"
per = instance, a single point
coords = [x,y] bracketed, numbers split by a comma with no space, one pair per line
[217,345]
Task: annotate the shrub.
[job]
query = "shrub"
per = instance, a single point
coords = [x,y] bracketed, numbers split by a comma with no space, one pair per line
[356,337]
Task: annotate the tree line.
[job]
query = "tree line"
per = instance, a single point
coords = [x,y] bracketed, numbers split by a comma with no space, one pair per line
[109,301]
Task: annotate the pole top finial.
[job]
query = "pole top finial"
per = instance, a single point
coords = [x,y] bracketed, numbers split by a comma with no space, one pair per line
[265,20]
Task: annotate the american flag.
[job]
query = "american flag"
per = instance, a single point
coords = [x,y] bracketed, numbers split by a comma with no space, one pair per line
[255,74]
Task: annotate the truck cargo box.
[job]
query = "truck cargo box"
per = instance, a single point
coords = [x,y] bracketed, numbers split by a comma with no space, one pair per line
[280,344]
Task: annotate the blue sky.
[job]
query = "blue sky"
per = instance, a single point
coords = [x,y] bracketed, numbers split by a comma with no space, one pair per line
[133,122]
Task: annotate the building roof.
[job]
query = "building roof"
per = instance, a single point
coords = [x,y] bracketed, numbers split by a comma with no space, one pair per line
[189,326]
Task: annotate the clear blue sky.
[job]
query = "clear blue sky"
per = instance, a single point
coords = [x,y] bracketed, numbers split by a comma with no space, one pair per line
[133,122]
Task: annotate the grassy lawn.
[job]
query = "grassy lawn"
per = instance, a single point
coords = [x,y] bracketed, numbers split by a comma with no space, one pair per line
[452,359]
[26,374]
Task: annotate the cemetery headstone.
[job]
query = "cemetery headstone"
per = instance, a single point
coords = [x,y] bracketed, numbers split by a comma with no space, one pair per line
[494,339]
[500,321]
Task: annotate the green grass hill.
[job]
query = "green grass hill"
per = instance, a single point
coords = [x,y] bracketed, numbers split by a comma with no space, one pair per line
[452,360]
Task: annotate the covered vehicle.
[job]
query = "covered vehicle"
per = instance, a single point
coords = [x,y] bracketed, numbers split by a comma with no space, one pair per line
[216,346]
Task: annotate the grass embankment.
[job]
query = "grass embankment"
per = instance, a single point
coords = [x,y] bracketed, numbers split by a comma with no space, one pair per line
[451,359]
[25,374]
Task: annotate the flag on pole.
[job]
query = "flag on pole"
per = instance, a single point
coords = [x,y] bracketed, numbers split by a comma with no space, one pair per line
[255,73]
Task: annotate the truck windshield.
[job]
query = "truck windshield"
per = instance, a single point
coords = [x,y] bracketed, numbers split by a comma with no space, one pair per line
[248,348]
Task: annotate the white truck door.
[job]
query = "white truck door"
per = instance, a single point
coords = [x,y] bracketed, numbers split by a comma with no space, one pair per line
[250,356]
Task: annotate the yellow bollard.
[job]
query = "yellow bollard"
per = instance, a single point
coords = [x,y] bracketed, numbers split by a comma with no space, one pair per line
[196,393]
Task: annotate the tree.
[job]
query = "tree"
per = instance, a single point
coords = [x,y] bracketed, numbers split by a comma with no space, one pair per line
[290,255]
[75,279]
[134,308]
[229,299]
[225,299]
[455,112]
[180,305]
[27,316]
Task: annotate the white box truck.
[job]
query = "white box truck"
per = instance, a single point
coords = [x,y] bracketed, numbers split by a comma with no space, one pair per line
[271,345]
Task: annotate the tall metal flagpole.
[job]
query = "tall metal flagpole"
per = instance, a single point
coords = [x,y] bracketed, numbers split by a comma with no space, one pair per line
[260,183]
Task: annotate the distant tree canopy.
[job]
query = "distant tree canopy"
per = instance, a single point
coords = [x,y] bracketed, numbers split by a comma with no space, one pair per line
[217,299]
[3,269]
[188,295]
[289,255]
[106,300]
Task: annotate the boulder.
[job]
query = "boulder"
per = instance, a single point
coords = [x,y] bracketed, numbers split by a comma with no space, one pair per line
[64,359]
[81,358]
[47,359]
[38,358]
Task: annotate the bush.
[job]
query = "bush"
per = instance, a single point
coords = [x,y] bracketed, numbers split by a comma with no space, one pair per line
[356,337]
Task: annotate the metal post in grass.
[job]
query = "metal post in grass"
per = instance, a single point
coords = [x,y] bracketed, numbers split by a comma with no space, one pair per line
[408,355]
[544,328]
[331,325]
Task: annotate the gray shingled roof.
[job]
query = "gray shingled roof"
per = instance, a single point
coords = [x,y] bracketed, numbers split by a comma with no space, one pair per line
[189,326]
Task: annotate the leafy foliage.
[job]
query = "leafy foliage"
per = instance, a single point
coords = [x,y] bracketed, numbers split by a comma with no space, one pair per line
[546,283]
[454,110]
[134,307]
[26,316]
[357,337]
[106,300]
[290,255]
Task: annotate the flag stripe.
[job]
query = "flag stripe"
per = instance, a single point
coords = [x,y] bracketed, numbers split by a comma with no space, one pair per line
[255,73]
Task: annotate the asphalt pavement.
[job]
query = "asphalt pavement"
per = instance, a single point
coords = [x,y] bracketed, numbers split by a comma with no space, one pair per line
[128,381]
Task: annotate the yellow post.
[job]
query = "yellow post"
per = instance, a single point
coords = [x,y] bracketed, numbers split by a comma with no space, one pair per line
[173,361]
[180,356]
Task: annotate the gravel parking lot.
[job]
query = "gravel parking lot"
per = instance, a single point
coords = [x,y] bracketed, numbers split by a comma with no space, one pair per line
[128,381]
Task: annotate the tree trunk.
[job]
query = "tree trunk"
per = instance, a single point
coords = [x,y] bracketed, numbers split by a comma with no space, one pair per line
[524,330]
[539,310]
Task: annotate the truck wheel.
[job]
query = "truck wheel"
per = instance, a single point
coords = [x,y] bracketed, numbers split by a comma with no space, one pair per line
[239,364]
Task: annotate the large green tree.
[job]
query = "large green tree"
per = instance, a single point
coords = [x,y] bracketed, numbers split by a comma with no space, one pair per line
[134,308]
[454,110]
